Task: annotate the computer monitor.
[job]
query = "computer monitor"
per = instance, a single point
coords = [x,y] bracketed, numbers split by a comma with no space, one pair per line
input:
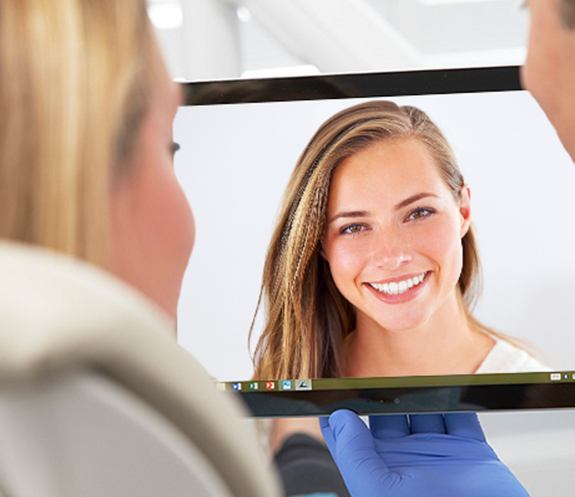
[240,143]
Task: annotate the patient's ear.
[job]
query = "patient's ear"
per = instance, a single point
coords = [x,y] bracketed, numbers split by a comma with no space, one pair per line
[465,209]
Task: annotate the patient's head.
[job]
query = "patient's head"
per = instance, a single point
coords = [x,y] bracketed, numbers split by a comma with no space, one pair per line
[376,214]
[85,141]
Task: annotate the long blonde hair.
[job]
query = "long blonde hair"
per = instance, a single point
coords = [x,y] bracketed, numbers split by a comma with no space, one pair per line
[74,88]
[306,317]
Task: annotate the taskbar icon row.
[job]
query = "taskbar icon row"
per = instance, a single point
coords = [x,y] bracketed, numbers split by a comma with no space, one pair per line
[486,379]
[266,386]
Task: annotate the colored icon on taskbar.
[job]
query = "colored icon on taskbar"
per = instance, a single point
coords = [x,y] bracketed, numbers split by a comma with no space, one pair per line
[303,384]
[270,385]
[236,387]
[285,385]
[254,385]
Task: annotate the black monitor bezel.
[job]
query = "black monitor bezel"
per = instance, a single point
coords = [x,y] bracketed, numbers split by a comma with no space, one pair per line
[441,398]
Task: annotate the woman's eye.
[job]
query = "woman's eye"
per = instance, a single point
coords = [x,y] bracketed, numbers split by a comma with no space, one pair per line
[419,213]
[351,229]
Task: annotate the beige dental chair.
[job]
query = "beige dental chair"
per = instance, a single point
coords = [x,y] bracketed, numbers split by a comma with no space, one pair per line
[97,399]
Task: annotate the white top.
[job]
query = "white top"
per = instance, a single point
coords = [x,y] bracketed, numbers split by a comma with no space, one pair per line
[505,357]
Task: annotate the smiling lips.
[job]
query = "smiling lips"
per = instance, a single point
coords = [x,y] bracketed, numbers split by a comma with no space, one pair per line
[400,290]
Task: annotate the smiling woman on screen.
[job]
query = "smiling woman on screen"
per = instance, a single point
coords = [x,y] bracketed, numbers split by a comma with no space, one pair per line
[372,269]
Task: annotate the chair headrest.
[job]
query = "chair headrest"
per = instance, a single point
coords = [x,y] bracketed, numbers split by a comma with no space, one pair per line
[57,314]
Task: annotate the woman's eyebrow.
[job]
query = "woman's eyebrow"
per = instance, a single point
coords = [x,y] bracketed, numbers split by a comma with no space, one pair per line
[403,203]
[414,198]
[348,214]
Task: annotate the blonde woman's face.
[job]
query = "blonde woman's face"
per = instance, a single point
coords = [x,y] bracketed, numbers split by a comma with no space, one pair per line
[151,223]
[393,239]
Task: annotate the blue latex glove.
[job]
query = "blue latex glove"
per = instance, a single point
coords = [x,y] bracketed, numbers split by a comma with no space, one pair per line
[427,455]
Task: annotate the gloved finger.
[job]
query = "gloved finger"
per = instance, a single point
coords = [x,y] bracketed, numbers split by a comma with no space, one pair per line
[393,426]
[427,423]
[347,432]
[326,431]
[353,449]
[464,424]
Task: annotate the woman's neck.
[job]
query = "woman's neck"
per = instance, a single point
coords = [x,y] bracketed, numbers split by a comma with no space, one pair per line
[446,344]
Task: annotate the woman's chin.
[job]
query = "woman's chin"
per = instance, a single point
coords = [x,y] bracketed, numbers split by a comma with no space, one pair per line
[402,324]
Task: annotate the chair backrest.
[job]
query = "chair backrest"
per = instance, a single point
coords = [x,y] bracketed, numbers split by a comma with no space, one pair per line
[82,434]
[96,398]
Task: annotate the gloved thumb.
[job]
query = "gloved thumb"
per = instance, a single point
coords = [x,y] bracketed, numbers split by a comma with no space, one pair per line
[352,446]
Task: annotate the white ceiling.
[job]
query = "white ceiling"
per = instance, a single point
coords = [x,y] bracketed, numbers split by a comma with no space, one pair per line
[220,39]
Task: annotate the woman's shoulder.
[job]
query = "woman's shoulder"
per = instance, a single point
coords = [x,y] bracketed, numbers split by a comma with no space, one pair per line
[506,357]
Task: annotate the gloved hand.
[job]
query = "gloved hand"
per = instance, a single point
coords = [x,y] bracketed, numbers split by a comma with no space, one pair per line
[427,455]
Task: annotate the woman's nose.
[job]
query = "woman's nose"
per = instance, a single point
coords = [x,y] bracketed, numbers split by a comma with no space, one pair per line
[389,253]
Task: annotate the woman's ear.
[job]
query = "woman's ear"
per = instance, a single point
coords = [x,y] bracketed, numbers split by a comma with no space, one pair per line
[322,247]
[322,251]
[465,209]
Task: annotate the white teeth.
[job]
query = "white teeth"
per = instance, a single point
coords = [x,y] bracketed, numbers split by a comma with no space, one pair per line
[398,287]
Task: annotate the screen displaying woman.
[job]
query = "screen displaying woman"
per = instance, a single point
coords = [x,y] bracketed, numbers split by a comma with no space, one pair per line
[373,266]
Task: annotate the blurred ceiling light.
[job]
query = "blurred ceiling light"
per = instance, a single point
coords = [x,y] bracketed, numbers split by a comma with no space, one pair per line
[287,71]
[166,15]
[244,14]
[451,2]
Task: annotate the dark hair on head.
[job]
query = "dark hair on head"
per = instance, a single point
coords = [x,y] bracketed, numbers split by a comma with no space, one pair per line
[567,13]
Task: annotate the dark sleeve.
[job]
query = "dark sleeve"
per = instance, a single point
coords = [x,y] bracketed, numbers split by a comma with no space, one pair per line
[306,467]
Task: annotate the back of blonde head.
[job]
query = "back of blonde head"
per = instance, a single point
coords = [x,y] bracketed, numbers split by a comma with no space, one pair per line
[74,88]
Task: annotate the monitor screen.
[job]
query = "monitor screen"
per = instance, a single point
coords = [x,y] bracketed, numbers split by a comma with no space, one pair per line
[390,244]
